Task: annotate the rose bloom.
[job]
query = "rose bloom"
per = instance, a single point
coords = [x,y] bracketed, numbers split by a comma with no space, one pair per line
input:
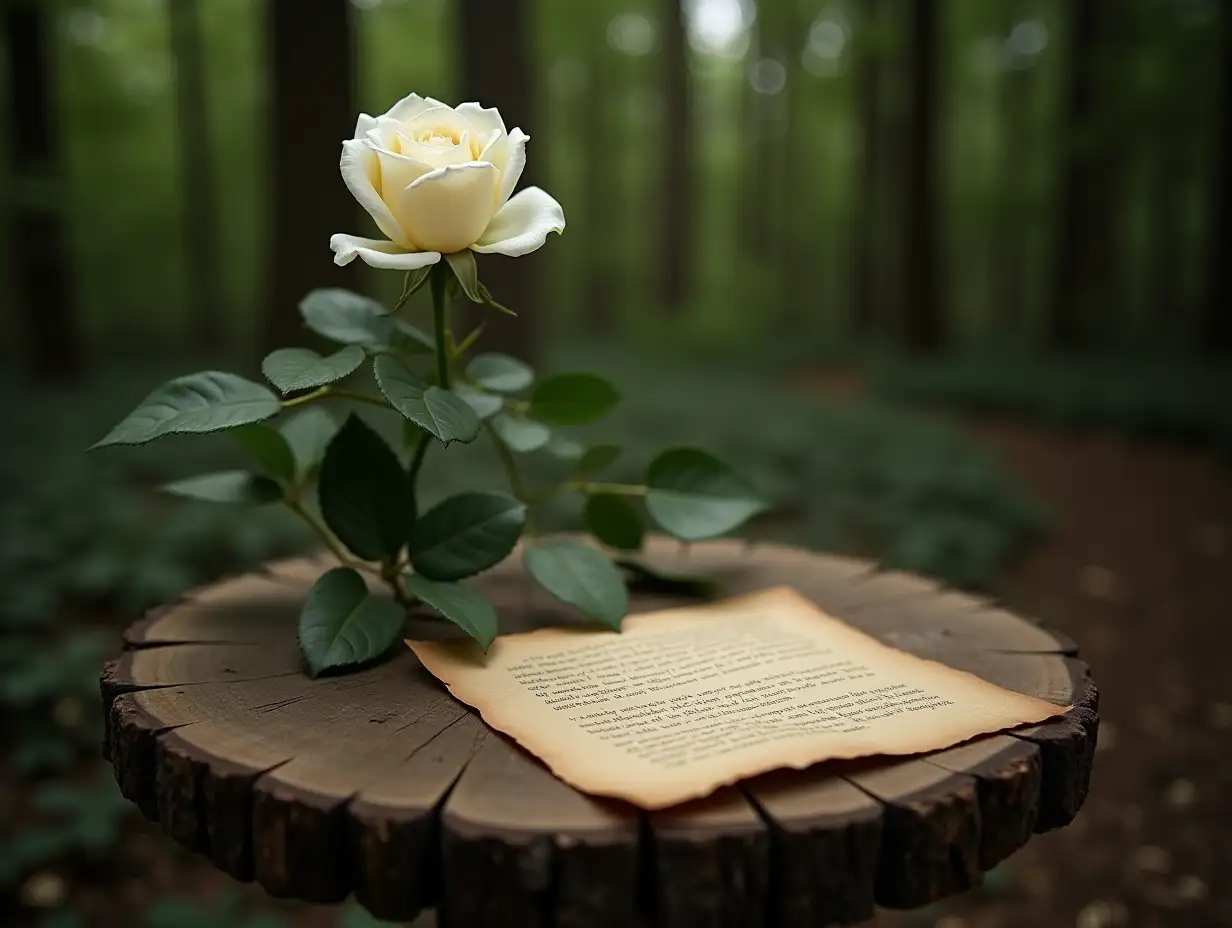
[437,179]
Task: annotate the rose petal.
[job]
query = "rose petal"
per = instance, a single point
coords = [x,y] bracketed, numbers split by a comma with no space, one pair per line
[438,120]
[437,155]
[514,162]
[364,125]
[486,127]
[522,225]
[384,133]
[361,172]
[411,105]
[397,173]
[448,209]
[377,253]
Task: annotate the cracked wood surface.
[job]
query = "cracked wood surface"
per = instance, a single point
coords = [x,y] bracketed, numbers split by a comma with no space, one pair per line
[379,783]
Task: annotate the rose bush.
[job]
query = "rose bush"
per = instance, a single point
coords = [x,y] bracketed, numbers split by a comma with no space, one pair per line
[436,180]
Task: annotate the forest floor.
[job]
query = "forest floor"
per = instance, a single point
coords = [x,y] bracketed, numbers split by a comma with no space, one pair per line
[1138,570]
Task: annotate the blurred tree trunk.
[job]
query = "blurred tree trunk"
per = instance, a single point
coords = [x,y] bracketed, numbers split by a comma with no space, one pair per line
[600,186]
[924,328]
[757,181]
[1083,238]
[312,78]
[1217,309]
[677,168]
[803,257]
[1008,277]
[198,190]
[866,312]
[494,70]
[40,260]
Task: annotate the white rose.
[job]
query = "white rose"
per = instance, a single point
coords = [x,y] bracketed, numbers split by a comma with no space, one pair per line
[437,180]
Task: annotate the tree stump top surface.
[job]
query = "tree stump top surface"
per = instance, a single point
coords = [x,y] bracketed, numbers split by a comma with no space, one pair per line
[379,783]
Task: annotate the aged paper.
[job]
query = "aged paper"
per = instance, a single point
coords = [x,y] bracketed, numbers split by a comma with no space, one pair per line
[686,700]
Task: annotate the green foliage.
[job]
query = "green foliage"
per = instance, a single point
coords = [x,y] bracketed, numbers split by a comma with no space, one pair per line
[573,399]
[351,319]
[227,912]
[466,534]
[615,521]
[308,433]
[269,448]
[293,369]
[205,402]
[459,604]
[1142,398]
[228,486]
[365,497]
[520,434]
[466,272]
[909,489]
[67,821]
[356,916]
[438,411]
[341,623]
[500,373]
[693,495]
[582,577]
[484,405]
[595,459]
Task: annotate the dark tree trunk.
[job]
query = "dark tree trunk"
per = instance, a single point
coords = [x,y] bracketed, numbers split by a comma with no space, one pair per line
[495,71]
[197,187]
[599,180]
[866,312]
[1217,311]
[1008,279]
[677,154]
[312,77]
[757,183]
[923,328]
[42,265]
[1082,238]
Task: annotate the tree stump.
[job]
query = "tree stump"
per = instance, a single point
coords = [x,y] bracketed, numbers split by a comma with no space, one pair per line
[379,783]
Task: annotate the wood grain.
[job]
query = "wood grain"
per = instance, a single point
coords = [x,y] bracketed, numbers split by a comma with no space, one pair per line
[378,783]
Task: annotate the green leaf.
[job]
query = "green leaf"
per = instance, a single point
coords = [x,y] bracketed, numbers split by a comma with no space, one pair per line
[363,492]
[308,433]
[573,399]
[343,624]
[462,263]
[441,412]
[350,319]
[500,373]
[485,405]
[595,459]
[693,495]
[565,449]
[268,447]
[230,486]
[414,282]
[459,604]
[292,369]
[204,402]
[615,521]
[647,579]
[581,576]
[466,534]
[521,435]
[486,296]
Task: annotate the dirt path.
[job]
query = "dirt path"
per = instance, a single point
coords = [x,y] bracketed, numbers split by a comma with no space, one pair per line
[1138,570]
